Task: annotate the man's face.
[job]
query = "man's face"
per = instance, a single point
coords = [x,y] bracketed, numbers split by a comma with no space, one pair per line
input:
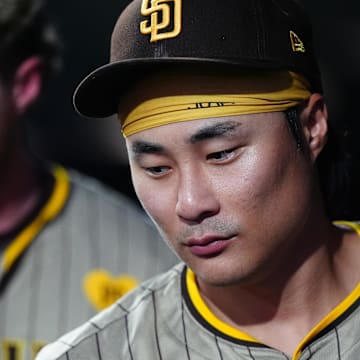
[230,195]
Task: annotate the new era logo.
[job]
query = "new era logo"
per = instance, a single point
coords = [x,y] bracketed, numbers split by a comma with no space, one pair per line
[296,44]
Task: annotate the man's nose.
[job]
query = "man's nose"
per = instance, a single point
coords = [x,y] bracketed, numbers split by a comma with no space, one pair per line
[196,198]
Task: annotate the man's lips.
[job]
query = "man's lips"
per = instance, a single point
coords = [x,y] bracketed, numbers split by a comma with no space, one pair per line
[208,246]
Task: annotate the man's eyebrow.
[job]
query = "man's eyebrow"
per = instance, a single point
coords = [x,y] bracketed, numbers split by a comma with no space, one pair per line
[208,132]
[216,130]
[145,147]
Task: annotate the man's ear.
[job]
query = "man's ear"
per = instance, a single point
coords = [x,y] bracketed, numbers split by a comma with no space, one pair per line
[314,119]
[27,84]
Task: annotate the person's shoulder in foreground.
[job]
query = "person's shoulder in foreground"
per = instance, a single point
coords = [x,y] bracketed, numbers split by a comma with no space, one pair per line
[119,232]
[69,245]
[82,249]
[116,231]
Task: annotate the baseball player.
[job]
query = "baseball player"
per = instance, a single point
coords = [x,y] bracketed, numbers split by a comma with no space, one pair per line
[233,157]
[69,246]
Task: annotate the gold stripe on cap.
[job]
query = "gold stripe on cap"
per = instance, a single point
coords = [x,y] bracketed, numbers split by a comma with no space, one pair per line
[170,109]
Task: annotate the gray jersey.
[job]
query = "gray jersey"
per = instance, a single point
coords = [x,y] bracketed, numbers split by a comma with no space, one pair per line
[84,247]
[165,318]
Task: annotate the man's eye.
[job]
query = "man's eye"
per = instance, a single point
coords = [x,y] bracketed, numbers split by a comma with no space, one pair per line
[222,155]
[157,170]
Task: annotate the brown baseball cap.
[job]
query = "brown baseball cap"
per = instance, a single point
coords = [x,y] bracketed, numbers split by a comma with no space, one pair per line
[154,34]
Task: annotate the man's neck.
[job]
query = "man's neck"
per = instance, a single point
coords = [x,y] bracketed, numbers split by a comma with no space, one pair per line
[20,192]
[280,312]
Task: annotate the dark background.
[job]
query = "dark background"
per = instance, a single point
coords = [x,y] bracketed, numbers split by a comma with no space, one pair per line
[96,146]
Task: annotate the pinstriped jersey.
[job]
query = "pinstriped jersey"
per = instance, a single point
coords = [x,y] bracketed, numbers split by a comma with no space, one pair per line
[164,318]
[84,247]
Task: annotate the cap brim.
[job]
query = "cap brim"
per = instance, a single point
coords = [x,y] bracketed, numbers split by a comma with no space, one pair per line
[99,93]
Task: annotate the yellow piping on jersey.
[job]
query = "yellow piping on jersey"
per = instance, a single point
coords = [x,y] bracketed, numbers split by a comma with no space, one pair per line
[206,313]
[348,224]
[51,209]
[340,309]
[328,319]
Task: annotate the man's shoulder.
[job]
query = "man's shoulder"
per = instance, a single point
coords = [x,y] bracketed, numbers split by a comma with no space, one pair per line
[92,187]
[105,227]
[114,322]
[91,196]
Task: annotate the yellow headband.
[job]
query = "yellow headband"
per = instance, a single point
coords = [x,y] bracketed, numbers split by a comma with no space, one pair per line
[170,109]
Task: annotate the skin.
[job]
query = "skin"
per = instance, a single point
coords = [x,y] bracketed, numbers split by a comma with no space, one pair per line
[20,184]
[239,187]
